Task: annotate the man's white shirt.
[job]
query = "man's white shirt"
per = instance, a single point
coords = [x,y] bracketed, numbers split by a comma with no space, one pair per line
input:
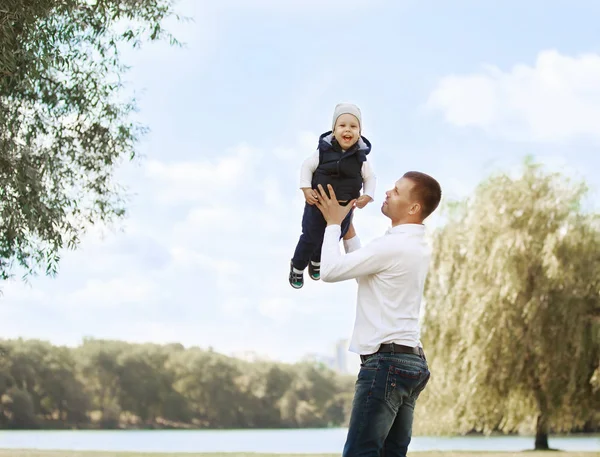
[390,272]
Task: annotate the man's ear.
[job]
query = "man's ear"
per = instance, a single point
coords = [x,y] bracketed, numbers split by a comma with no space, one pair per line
[414,209]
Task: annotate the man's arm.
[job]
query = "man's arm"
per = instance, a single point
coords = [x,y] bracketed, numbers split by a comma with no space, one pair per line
[351,240]
[365,261]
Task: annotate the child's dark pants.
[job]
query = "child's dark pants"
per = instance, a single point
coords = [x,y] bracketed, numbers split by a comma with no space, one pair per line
[313,232]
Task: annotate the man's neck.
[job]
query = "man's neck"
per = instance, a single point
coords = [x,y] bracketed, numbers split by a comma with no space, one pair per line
[407,221]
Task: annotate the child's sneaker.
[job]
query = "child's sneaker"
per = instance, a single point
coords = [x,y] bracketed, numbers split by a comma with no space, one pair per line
[314,270]
[296,278]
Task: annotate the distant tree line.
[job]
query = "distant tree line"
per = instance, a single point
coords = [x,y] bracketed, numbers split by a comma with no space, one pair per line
[109,384]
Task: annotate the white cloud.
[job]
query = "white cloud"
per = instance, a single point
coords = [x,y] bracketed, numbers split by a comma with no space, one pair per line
[217,218]
[227,278]
[306,143]
[556,99]
[277,309]
[297,6]
[15,293]
[205,181]
[114,292]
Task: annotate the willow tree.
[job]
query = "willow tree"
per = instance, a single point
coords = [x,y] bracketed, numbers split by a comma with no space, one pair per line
[64,119]
[513,301]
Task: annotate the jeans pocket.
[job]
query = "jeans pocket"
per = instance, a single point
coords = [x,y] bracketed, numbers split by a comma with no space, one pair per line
[403,383]
[422,385]
[371,362]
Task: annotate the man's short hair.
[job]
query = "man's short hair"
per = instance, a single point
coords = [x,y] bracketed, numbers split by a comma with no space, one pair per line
[426,190]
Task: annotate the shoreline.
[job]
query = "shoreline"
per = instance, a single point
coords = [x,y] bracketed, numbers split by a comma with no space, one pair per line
[63,453]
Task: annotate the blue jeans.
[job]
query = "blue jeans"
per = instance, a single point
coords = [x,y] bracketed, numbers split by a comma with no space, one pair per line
[386,391]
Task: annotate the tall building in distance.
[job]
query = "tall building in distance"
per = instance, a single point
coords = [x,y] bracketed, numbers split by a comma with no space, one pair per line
[339,359]
[344,361]
[341,356]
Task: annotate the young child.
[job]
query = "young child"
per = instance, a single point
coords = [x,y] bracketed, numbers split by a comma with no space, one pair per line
[341,160]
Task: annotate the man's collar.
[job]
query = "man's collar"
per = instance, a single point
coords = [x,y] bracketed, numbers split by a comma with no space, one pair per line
[406,228]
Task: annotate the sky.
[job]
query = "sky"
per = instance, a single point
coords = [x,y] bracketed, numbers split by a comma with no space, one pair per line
[457,89]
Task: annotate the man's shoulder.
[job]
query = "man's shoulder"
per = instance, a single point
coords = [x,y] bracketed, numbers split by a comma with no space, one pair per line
[404,243]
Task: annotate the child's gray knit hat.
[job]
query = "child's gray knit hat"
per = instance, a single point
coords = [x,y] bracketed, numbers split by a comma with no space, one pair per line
[346,108]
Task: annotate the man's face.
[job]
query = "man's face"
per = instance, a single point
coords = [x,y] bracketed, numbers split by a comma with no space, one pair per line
[398,200]
[347,130]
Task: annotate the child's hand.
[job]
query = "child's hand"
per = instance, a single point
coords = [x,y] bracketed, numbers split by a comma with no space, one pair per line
[310,196]
[363,200]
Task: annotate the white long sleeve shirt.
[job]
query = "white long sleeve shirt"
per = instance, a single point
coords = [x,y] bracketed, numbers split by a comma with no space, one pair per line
[390,272]
[311,163]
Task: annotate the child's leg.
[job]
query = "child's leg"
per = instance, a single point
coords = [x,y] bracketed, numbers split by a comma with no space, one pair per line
[313,229]
[316,255]
[346,223]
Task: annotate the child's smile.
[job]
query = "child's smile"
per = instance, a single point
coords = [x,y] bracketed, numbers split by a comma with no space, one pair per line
[347,130]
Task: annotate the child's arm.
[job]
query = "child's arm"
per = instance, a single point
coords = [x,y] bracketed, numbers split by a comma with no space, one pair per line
[369,183]
[309,166]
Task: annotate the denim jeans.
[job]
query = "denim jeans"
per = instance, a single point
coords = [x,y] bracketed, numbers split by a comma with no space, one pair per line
[386,391]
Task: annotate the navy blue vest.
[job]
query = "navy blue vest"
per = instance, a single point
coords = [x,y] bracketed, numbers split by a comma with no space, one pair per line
[341,169]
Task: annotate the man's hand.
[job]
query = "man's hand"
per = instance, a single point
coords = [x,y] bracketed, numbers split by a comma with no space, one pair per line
[310,195]
[332,211]
[362,201]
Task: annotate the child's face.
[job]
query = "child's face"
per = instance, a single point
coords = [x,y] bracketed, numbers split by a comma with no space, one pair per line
[347,130]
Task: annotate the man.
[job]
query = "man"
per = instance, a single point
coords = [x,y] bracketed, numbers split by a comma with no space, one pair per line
[390,272]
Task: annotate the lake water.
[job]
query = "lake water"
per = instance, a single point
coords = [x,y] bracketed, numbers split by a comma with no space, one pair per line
[266,441]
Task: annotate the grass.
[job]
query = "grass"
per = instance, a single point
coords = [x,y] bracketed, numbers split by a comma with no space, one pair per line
[34,453]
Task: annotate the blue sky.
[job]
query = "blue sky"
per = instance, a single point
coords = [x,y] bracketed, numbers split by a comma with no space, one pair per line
[456,89]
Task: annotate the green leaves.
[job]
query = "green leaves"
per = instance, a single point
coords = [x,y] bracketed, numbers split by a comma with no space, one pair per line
[64,125]
[109,382]
[514,279]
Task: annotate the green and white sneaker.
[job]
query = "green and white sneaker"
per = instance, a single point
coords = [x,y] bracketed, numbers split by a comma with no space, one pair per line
[296,277]
[314,270]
